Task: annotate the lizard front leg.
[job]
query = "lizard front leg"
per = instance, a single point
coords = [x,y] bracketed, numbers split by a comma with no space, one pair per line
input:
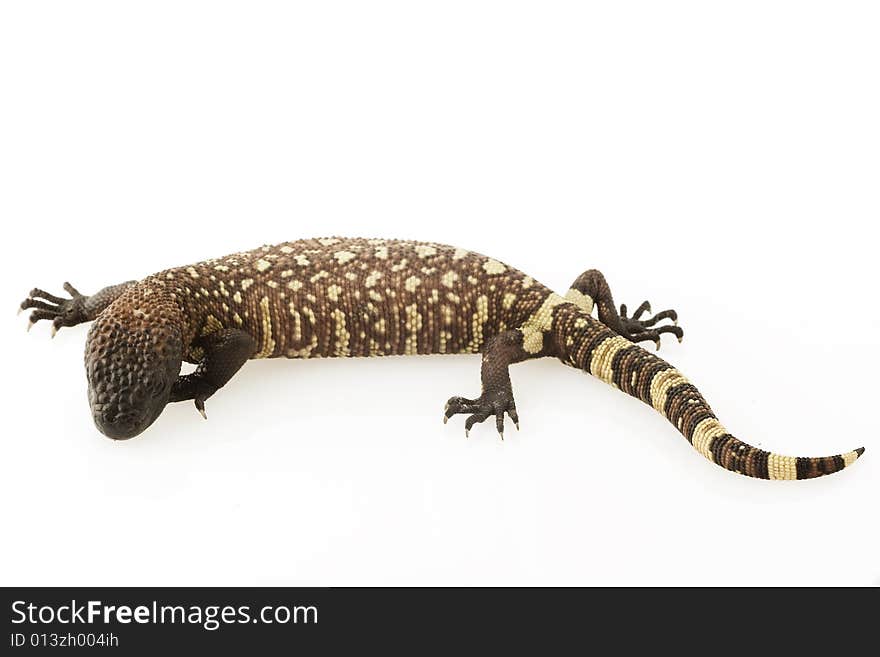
[499,353]
[225,351]
[70,312]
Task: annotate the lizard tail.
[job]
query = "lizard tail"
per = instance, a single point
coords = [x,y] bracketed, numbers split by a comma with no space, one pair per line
[589,345]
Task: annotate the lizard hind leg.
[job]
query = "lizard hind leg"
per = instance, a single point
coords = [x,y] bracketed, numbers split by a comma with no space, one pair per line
[496,399]
[591,288]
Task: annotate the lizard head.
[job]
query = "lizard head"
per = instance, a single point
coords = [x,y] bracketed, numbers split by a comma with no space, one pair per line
[133,356]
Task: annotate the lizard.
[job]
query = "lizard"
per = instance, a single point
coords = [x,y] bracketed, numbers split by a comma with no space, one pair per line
[348,297]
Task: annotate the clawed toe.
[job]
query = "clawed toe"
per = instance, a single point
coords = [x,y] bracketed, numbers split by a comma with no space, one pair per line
[642,330]
[642,309]
[488,404]
[654,334]
[62,312]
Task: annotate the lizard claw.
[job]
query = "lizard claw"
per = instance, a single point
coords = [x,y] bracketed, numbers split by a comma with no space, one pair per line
[200,407]
[491,403]
[61,312]
[635,329]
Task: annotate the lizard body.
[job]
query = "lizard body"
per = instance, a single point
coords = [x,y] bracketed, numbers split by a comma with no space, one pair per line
[373,297]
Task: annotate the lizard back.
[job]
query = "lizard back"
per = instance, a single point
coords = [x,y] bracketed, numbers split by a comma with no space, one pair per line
[354,297]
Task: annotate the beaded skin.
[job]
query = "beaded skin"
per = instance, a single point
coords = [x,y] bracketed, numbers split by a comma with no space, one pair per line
[346,297]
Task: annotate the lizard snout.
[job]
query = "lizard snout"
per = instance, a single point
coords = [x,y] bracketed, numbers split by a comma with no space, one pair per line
[131,367]
[120,427]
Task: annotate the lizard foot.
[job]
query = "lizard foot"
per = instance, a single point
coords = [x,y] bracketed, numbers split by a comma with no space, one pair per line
[192,386]
[641,330]
[62,312]
[495,403]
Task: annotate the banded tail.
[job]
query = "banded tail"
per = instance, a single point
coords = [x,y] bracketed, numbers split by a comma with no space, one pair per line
[589,345]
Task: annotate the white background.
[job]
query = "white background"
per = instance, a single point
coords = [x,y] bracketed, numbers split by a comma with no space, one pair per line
[718,158]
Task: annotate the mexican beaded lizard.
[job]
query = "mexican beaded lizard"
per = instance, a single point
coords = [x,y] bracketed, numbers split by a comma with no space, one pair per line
[373,297]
